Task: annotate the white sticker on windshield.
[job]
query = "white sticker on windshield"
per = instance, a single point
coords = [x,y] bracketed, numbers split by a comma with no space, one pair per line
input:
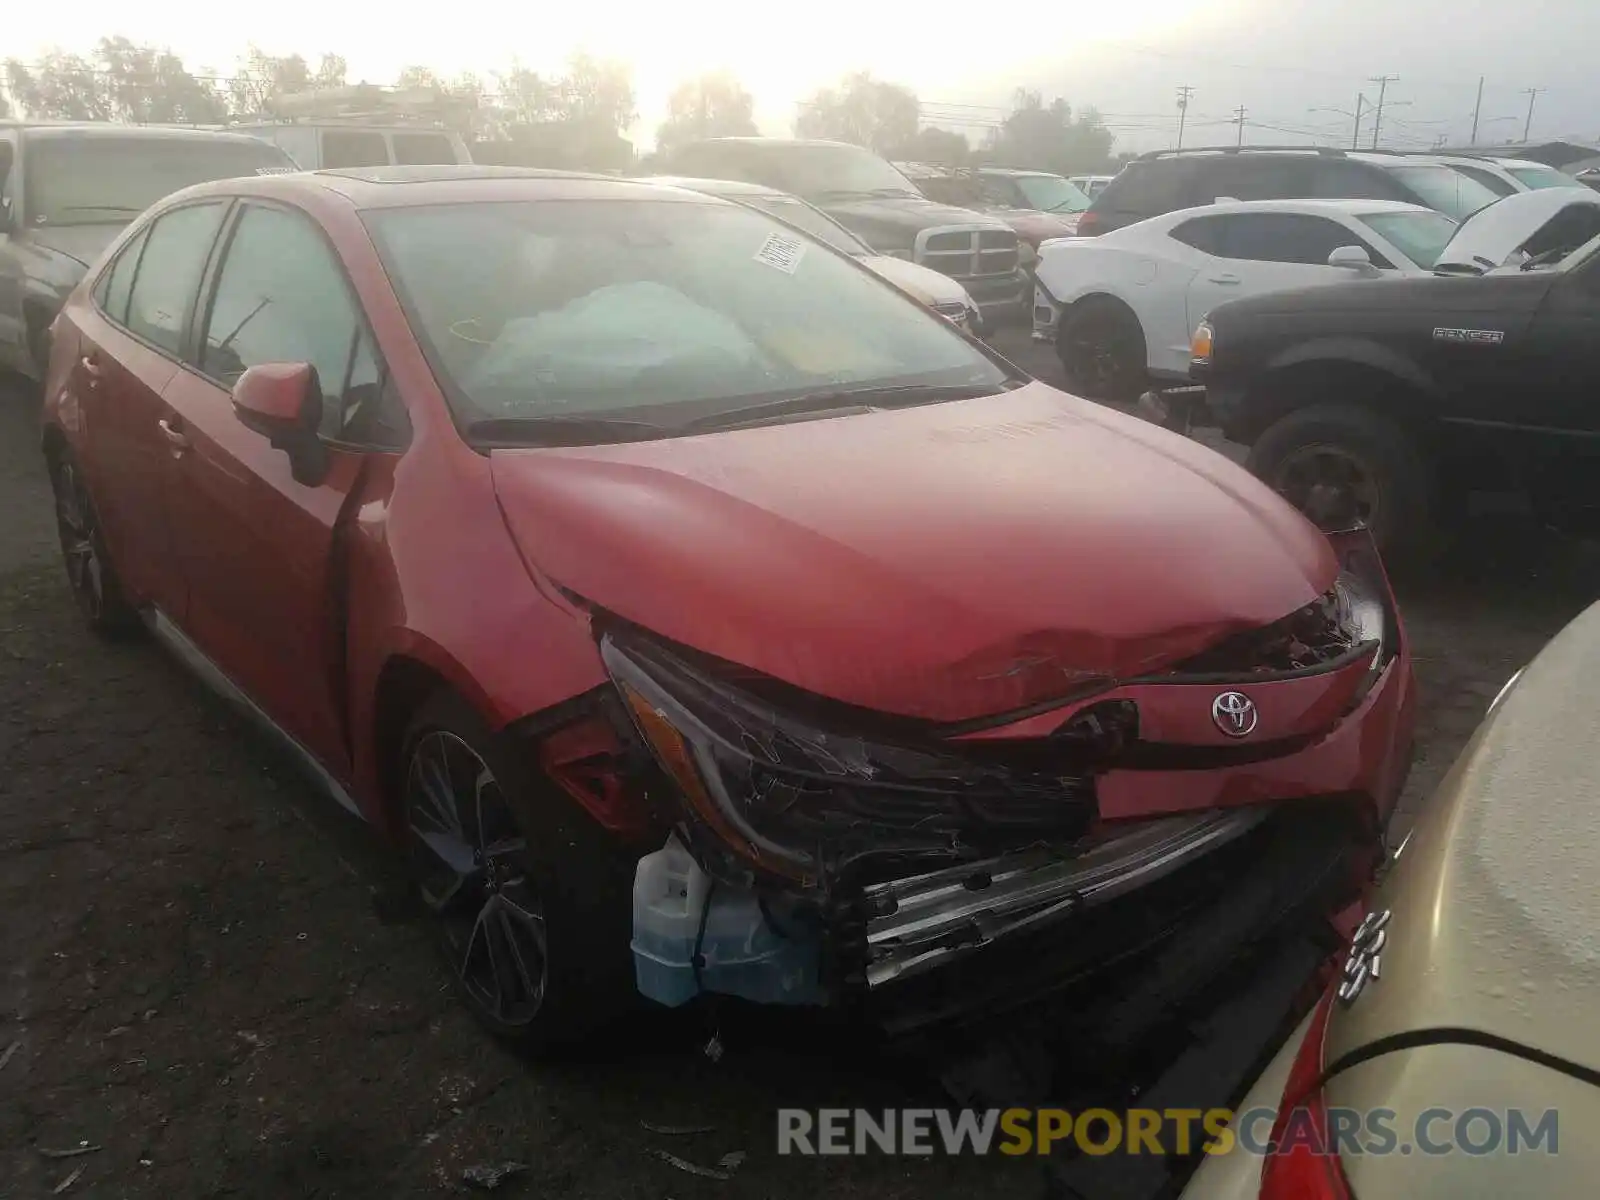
[781,252]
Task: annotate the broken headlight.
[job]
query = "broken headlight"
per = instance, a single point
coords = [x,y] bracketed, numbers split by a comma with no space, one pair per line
[805,796]
[1349,617]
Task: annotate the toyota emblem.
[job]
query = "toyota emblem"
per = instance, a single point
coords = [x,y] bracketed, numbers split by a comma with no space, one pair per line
[1235,714]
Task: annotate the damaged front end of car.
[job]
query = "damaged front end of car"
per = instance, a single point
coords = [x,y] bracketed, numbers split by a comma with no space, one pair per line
[823,854]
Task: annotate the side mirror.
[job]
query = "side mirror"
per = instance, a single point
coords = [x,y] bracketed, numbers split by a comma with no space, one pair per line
[1353,258]
[283,403]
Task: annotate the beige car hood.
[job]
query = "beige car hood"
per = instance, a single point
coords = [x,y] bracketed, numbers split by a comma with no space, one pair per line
[1496,897]
[918,282]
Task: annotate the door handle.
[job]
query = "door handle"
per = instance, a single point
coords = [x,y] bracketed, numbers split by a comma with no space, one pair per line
[91,368]
[1230,279]
[175,437]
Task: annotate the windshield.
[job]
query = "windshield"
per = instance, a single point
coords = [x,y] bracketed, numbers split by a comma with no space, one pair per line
[1443,188]
[1052,193]
[667,312]
[111,180]
[832,171]
[1542,177]
[1420,236]
[819,225]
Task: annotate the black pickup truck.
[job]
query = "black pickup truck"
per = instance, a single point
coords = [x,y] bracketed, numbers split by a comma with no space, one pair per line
[1387,402]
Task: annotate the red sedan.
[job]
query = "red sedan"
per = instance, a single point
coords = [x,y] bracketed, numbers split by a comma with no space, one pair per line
[701,615]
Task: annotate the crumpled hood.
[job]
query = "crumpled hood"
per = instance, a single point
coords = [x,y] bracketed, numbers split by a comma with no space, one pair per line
[82,243]
[945,562]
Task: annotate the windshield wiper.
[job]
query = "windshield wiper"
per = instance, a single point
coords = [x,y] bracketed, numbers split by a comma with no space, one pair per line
[560,429]
[899,395]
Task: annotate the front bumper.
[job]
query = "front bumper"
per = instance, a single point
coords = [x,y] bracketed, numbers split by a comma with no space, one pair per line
[946,932]
[1003,300]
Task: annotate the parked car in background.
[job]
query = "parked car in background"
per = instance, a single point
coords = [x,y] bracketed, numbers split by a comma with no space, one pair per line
[1464,1014]
[361,126]
[1165,180]
[67,190]
[1389,403]
[1046,208]
[881,206]
[1504,176]
[1090,185]
[700,616]
[1121,307]
[923,284]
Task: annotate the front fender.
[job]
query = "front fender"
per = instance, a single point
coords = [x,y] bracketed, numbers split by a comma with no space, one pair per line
[1336,352]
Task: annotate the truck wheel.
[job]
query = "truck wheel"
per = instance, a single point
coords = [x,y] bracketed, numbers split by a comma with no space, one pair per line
[1102,350]
[532,915]
[1341,465]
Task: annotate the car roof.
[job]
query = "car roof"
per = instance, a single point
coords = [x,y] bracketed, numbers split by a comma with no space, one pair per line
[106,129]
[1024,172]
[776,141]
[1348,208]
[714,187]
[1379,159]
[449,183]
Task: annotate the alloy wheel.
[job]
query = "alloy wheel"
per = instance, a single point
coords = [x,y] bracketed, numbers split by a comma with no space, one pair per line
[79,532]
[1332,485]
[471,863]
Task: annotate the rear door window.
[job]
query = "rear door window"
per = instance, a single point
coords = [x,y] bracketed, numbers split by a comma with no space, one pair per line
[1261,177]
[175,253]
[353,148]
[1283,238]
[1500,187]
[1149,189]
[1203,233]
[423,149]
[116,285]
[1341,179]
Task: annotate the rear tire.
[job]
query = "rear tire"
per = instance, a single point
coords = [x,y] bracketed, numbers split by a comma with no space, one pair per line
[532,908]
[90,575]
[1102,350]
[1341,464]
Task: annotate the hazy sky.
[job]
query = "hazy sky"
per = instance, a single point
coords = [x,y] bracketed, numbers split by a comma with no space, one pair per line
[1279,60]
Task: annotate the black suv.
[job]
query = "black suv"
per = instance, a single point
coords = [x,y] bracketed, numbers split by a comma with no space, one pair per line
[1166,180]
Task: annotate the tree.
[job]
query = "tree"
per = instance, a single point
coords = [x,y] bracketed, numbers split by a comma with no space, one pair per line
[596,92]
[60,86]
[261,76]
[123,81]
[712,105]
[863,110]
[151,86]
[1049,138]
[934,145]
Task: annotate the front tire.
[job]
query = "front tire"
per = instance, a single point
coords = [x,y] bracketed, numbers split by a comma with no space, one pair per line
[532,914]
[91,577]
[1102,350]
[1341,465]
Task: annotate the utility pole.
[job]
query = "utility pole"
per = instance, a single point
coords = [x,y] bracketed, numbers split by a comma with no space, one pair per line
[1383,82]
[1477,110]
[1238,119]
[1184,92]
[1532,94]
[1355,134]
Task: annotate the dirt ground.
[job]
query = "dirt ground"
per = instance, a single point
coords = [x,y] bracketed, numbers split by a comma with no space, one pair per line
[199,983]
